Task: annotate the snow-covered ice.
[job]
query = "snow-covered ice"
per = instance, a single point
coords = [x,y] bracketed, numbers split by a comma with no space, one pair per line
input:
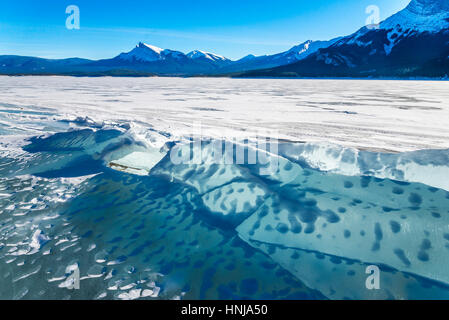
[379,115]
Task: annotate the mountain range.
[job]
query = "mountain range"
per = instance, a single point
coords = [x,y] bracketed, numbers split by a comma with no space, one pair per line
[147,59]
[412,43]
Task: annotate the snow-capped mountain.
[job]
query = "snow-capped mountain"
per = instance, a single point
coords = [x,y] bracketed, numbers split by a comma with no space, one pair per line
[412,42]
[148,58]
[301,51]
[421,16]
[198,54]
[305,49]
[148,53]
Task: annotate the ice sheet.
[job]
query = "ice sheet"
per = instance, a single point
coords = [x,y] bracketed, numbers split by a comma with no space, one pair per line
[341,201]
[370,114]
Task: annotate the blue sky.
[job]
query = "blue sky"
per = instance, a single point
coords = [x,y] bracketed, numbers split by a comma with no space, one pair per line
[233,28]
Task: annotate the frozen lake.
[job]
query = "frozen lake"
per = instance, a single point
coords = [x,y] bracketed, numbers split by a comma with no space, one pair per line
[92,194]
[391,116]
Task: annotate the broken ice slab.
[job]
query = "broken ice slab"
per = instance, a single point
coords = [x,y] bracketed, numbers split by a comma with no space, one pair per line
[399,224]
[341,279]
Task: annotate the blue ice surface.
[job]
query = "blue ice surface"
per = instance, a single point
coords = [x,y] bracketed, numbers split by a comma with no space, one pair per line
[212,231]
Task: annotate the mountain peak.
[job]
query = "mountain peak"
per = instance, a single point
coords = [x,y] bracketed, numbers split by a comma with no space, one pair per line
[300,48]
[428,7]
[248,57]
[305,49]
[142,45]
[421,16]
[197,54]
[144,53]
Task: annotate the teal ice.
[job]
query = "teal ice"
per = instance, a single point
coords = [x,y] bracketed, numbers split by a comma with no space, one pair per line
[207,230]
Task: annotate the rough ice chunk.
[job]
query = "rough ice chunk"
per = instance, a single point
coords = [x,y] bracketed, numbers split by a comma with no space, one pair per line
[38,240]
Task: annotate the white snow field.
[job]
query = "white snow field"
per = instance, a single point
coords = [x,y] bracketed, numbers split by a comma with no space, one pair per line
[392,116]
